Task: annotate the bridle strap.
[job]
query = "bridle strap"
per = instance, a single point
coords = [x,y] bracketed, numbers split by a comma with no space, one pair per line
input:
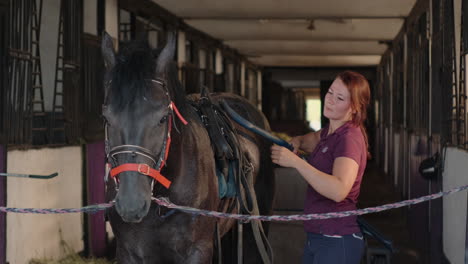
[181,118]
[166,146]
[131,146]
[132,149]
[142,169]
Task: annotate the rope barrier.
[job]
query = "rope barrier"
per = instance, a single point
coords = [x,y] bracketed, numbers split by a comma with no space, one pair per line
[162,201]
[87,209]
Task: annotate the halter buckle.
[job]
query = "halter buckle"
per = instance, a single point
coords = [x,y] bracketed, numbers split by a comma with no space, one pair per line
[146,171]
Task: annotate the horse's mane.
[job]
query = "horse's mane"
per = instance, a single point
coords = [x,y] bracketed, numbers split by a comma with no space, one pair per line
[135,66]
[177,90]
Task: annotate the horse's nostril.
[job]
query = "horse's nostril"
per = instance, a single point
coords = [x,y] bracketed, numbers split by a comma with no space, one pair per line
[143,211]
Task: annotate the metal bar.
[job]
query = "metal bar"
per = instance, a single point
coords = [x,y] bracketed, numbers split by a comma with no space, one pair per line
[21,75]
[8,95]
[69,64]
[3,202]
[19,95]
[34,176]
[12,70]
[58,76]
[462,103]
[462,88]
[38,114]
[18,101]
[28,98]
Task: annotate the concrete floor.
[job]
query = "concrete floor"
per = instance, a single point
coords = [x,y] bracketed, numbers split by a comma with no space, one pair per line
[375,191]
[287,238]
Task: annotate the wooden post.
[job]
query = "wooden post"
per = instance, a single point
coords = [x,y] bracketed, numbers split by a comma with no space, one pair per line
[242,80]
[181,54]
[95,161]
[259,90]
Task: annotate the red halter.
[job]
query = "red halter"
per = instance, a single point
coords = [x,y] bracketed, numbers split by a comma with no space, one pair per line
[144,168]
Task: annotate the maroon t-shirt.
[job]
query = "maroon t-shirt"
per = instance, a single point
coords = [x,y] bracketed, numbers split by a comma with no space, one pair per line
[347,141]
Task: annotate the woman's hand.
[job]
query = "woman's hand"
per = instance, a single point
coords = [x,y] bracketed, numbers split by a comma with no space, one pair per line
[296,143]
[284,157]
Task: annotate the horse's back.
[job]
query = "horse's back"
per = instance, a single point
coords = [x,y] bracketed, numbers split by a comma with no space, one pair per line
[245,108]
[239,104]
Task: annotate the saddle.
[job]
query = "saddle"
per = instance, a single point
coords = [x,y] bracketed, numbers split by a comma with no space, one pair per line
[223,141]
[233,170]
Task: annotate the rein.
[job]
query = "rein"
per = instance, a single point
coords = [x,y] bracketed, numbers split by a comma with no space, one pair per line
[144,168]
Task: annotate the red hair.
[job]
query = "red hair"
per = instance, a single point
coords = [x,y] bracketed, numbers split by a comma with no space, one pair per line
[358,88]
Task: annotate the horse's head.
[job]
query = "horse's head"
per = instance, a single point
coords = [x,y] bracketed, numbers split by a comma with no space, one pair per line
[137,110]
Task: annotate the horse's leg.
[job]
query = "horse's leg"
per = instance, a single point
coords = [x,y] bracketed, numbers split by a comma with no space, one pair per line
[200,252]
[124,256]
[125,246]
[136,250]
[137,243]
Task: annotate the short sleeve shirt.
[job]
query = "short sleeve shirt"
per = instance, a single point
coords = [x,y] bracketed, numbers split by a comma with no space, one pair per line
[347,141]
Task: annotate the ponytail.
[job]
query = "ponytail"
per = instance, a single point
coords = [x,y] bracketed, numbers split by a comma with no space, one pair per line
[358,87]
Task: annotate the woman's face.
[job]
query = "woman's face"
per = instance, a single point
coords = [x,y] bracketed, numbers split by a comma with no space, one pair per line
[338,102]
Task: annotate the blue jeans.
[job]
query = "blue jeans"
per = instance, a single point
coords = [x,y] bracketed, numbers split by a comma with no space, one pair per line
[322,249]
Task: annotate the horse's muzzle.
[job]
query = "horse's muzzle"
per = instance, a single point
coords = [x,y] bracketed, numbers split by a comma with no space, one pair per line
[132,211]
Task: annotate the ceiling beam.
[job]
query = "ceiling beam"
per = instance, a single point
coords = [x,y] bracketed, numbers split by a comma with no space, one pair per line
[357,29]
[287,47]
[302,54]
[316,61]
[307,74]
[214,17]
[317,39]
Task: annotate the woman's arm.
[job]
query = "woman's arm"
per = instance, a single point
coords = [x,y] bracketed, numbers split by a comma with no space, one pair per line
[335,187]
[306,142]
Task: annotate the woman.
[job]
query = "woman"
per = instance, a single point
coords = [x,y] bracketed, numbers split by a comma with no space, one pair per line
[333,170]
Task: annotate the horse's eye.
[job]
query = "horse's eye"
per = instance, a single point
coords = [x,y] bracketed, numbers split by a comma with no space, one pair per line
[164,119]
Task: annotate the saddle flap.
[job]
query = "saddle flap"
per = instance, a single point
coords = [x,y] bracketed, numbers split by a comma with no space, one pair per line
[217,128]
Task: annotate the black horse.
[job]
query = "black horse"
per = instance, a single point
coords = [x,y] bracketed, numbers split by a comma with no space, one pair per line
[153,153]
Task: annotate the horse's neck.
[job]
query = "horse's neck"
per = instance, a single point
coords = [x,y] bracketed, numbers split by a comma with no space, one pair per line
[189,166]
[186,144]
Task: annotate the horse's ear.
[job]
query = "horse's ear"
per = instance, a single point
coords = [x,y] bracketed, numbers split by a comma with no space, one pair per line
[167,54]
[107,49]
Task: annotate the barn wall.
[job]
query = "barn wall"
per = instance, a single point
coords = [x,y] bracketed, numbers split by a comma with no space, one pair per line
[39,236]
[454,206]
